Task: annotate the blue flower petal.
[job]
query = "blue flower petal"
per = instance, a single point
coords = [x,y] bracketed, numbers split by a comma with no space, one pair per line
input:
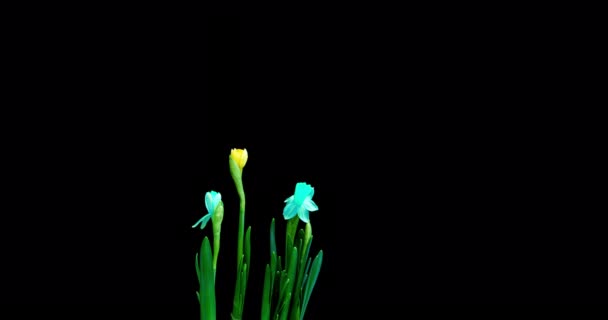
[203,221]
[289,199]
[303,214]
[209,202]
[301,202]
[310,205]
[290,211]
[303,190]
[212,199]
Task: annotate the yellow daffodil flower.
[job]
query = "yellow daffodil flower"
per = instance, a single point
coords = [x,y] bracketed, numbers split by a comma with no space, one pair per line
[240,157]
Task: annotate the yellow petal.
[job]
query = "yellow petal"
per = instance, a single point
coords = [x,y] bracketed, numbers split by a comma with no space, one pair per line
[239,156]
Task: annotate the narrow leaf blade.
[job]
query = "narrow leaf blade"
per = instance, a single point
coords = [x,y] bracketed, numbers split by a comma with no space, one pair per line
[265,314]
[198,268]
[312,279]
[208,288]
[273,241]
[248,248]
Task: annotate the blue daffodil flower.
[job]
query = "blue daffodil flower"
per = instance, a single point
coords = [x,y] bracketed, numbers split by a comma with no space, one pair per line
[212,199]
[300,203]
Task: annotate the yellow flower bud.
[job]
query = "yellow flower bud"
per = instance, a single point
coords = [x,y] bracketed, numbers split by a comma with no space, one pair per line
[239,156]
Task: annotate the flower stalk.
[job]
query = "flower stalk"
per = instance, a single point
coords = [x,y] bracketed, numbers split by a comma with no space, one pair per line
[236,161]
[216,220]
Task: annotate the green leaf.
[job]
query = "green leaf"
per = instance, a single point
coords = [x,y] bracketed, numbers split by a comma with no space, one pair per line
[291,272]
[240,302]
[242,277]
[273,269]
[283,304]
[295,312]
[305,256]
[290,233]
[240,264]
[291,275]
[273,242]
[273,292]
[244,283]
[303,287]
[266,295]
[283,282]
[248,248]
[276,293]
[295,260]
[298,246]
[300,278]
[312,279]
[303,282]
[308,266]
[208,284]
[240,282]
[198,269]
[303,271]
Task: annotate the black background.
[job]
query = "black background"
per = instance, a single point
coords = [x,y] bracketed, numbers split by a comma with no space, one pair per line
[429,165]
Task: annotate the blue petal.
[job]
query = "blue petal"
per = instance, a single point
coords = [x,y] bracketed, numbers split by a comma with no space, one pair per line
[212,199]
[303,190]
[289,199]
[290,211]
[209,202]
[310,205]
[203,221]
[217,198]
[303,214]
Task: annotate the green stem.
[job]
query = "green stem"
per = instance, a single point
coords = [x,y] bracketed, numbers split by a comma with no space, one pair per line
[241,234]
[207,291]
[216,251]
[241,260]
[290,233]
[237,175]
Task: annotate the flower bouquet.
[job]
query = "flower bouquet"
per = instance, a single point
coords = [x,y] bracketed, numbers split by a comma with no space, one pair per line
[288,279]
